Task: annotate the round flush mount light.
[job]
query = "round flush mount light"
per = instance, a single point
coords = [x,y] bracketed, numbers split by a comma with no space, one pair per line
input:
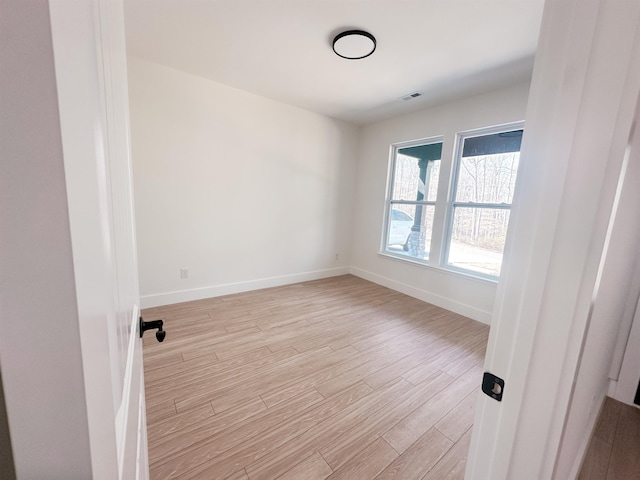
[354,44]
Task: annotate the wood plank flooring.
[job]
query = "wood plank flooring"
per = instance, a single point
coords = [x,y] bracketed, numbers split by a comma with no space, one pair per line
[614,449]
[331,379]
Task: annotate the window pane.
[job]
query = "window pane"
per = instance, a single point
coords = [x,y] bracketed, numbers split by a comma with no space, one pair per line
[415,178]
[477,239]
[487,178]
[410,230]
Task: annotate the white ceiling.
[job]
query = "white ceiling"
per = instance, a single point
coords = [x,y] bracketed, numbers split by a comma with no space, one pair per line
[282,49]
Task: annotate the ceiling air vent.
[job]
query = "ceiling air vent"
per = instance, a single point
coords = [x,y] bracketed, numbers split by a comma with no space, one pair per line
[410,96]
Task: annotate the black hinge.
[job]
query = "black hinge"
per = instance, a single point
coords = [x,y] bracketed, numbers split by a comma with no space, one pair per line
[493,386]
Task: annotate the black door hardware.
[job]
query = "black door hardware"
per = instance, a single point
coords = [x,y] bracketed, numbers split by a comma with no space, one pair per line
[492,386]
[144,326]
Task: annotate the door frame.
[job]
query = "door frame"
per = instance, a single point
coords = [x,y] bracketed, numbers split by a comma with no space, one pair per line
[571,159]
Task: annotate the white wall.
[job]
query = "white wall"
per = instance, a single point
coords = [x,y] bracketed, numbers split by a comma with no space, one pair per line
[243,191]
[465,295]
[40,353]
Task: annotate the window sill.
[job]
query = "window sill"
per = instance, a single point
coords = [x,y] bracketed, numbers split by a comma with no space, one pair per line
[449,271]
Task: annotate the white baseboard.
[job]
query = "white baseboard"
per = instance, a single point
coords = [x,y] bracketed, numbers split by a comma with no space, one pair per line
[425,296]
[169,298]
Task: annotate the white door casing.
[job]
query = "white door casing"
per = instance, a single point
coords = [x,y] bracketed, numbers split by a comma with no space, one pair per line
[628,376]
[614,296]
[626,370]
[90,64]
[581,107]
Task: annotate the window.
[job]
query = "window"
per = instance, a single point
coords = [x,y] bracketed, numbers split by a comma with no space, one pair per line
[468,222]
[486,167]
[412,196]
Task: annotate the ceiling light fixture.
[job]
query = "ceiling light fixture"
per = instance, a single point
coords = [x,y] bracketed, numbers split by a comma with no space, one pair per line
[354,44]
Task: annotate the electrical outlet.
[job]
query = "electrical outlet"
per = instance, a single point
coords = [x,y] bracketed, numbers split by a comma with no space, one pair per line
[184,273]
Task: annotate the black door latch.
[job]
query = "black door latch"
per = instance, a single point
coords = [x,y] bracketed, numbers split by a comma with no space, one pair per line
[144,326]
[493,386]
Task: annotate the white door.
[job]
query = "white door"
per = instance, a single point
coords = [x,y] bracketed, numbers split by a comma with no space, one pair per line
[580,114]
[90,63]
[627,371]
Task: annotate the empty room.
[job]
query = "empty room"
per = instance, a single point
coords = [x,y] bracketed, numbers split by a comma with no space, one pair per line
[266,203]
[306,239]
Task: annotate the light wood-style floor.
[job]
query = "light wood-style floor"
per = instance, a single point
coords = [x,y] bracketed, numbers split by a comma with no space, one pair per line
[614,449]
[337,378]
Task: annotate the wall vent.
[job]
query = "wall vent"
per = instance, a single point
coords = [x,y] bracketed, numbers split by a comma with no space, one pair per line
[410,96]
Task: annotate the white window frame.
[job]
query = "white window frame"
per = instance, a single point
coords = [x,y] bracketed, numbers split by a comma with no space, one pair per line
[389,202]
[444,204]
[453,188]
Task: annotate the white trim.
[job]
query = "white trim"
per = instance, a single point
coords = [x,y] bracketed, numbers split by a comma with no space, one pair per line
[572,153]
[584,444]
[168,298]
[424,295]
[611,390]
[142,459]
[391,173]
[122,415]
[482,131]
[458,146]
[444,203]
